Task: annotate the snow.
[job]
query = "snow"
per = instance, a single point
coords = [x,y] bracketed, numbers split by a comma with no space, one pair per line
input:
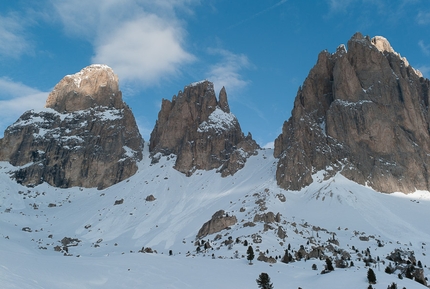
[322,127]
[341,50]
[352,103]
[198,83]
[111,235]
[128,153]
[218,121]
[109,114]
[41,119]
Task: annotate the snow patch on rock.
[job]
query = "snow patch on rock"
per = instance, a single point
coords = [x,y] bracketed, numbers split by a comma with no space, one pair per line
[218,121]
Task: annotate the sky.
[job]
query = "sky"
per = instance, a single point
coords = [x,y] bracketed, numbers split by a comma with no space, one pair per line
[261,51]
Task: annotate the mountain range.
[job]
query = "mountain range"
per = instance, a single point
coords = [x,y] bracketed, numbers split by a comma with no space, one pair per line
[87,203]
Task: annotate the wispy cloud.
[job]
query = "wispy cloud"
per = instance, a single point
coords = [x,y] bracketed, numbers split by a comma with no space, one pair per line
[423,18]
[143,41]
[339,5]
[15,99]
[226,72]
[424,48]
[144,49]
[14,41]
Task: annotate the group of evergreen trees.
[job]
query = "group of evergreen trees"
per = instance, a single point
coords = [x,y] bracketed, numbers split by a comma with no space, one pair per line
[263,280]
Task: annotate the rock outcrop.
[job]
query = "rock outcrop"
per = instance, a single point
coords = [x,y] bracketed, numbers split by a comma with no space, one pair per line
[201,131]
[219,221]
[86,136]
[363,112]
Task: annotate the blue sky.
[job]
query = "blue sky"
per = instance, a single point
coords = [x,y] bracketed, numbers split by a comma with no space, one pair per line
[261,51]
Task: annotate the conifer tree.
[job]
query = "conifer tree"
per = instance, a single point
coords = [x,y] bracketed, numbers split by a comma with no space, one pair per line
[250,253]
[263,281]
[371,277]
[329,265]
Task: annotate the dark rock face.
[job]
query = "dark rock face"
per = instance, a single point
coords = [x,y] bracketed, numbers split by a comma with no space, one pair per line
[362,112]
[201,131]
[87,136]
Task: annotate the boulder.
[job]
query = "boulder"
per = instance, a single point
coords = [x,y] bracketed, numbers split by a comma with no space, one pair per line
[219,221]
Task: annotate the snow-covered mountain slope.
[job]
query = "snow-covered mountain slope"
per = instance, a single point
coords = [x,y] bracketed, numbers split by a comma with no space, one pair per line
[160,209]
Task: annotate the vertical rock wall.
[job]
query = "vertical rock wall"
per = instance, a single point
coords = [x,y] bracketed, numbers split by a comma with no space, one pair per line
[362,112]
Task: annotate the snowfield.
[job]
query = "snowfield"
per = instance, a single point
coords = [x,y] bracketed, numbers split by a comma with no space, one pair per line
[104,230]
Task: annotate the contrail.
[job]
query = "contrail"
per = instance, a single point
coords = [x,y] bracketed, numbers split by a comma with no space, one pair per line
[258,14]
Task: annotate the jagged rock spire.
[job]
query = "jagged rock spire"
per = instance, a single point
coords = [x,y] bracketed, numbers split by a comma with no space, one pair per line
[362,112]
[201,131]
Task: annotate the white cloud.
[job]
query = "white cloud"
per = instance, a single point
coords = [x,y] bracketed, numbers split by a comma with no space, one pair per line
[13,39]
[423,18]
[141,40]
[424,48]
[227,71]
[15,99]
[144,49]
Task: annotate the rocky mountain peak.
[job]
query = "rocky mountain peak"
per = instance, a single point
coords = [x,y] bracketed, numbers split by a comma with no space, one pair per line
[87,136]
[95,85]
[223,103]
[201,131]
[362,112]
[382,44]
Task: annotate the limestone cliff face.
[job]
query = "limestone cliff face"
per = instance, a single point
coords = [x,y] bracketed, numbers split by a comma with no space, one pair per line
[201,132]
[95,85]
[363,112]
[87,136]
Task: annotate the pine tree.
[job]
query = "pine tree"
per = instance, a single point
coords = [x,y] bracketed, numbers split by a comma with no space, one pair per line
[286,258]
[263,281]
[388,269]
[329,265]
[371,277]
[250,253]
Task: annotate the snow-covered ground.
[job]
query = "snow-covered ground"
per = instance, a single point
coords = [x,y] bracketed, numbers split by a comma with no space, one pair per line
[33,221]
